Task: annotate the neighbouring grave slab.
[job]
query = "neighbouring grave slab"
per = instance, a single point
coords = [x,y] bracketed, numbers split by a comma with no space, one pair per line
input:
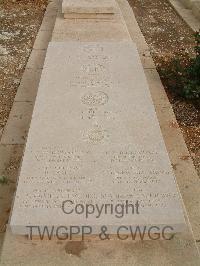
[89,7]
[88,16]
[90,29]
[95,139]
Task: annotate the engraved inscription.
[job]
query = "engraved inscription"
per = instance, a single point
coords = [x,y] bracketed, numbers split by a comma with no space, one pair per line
[96,135]
[94,98]
[62,175]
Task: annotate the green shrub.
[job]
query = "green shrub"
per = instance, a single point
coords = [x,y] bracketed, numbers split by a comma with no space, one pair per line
[182,74]
[191,80]
[3,180]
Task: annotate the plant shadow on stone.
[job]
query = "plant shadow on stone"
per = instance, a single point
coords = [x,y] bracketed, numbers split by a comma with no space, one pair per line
[182,75]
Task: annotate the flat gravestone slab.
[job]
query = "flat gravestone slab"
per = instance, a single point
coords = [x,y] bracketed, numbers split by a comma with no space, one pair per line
[89,6]
[90,30]
[95,139]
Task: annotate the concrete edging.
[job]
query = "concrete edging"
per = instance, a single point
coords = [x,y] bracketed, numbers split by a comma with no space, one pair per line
[189,11]
[194,5]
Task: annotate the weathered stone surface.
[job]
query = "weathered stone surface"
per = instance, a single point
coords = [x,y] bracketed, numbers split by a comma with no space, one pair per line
[42,40]
[90,29]
[94,138]
[48,23]
[88,16]
[196,9]
[36,59]
[177,252]
[28,87]
[89,6]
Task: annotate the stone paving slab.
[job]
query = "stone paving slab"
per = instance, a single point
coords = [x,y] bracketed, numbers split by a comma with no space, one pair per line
[28,87]
[36,59]
[177,252]
[42,40]
[186,14]
[196,9]
[158,94]
[52,8]
[187,3]
[48,23]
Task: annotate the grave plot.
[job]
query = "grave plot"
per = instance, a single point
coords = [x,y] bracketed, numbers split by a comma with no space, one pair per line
[95,139]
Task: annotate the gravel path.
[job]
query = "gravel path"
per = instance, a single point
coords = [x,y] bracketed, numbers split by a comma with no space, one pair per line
[19,24]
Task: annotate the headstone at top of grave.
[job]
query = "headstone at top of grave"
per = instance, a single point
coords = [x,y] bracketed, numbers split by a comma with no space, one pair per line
[95,141]
[89,8]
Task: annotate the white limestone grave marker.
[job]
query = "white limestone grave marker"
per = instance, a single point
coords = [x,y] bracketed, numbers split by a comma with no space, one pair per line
[95,139]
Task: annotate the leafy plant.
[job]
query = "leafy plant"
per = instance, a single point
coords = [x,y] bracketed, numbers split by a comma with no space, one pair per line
[3,180]
[191,81]
[182,74]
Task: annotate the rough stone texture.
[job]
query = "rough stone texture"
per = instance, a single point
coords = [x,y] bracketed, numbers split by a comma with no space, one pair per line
[95,134]
[89,6]
[16,129]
